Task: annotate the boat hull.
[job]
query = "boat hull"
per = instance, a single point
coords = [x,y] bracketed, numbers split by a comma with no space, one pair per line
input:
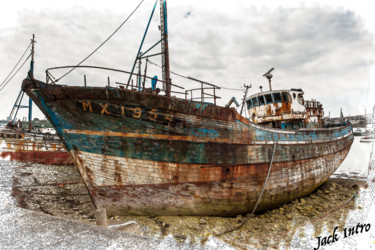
[145,154]
[24,147]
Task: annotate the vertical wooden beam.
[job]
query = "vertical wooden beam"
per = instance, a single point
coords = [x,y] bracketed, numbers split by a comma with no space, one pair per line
[101,217]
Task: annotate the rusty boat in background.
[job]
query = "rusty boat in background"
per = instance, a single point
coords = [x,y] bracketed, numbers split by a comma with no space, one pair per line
[35,147]
[141,152]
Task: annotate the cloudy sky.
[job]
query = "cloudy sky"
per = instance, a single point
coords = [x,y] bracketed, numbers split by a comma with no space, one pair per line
[324,47]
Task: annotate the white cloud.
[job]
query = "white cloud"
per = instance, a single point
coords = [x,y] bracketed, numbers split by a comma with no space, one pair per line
[325,50]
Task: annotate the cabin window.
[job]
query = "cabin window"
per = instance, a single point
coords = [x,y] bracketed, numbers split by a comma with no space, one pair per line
[285,96]
[249,104]
[276,97]
[300,99]
[268,98]
[254,100]
[261,100]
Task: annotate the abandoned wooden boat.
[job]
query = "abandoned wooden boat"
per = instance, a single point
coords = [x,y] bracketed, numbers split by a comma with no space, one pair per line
[143,153]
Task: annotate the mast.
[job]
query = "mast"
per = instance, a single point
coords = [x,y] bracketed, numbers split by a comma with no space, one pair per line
[17,105]
[164,48]
[31,76]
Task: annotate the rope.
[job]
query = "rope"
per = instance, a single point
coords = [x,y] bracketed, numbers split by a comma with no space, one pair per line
[260,196]
[186,77]
[14,73]
[151,62]
[16,64]
[103,42]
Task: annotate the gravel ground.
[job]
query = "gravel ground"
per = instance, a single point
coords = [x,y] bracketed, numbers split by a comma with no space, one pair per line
[26,229]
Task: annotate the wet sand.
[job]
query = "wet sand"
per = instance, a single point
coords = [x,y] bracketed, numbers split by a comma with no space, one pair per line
[59,191]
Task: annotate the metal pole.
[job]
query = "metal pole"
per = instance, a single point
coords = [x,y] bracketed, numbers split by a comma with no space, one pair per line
[139,77]
[144,77]
[243,100]
[32,76]
[214,95]
[202,97]
[269,81]
[18,105]
[140,47]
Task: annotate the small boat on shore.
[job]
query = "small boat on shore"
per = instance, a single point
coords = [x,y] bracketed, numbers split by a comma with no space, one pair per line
[368,138]
[142,151]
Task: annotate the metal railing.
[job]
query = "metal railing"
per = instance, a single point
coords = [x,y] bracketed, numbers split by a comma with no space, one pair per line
[202,92]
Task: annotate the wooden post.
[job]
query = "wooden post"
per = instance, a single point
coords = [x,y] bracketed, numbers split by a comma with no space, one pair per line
[101,217]
[84,80]
[109,83]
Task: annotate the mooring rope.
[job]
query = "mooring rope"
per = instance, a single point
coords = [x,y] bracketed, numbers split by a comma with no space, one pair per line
[131,14]
[259,197]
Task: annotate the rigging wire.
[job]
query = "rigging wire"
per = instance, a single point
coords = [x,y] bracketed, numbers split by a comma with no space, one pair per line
[151,62]
[1,85]
[131,14]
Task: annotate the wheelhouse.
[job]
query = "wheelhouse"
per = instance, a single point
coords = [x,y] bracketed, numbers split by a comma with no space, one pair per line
[278,108]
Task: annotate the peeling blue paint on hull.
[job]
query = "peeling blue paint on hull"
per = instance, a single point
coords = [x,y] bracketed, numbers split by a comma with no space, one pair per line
[147,154]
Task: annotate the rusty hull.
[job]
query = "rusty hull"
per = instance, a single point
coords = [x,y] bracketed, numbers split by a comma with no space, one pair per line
[145,154]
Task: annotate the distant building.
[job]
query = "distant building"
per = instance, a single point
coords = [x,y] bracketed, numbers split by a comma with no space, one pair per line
[314,112]
[357,121]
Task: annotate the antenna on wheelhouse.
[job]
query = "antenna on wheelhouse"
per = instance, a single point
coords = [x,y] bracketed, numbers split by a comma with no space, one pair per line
[164,48]
[268,75]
